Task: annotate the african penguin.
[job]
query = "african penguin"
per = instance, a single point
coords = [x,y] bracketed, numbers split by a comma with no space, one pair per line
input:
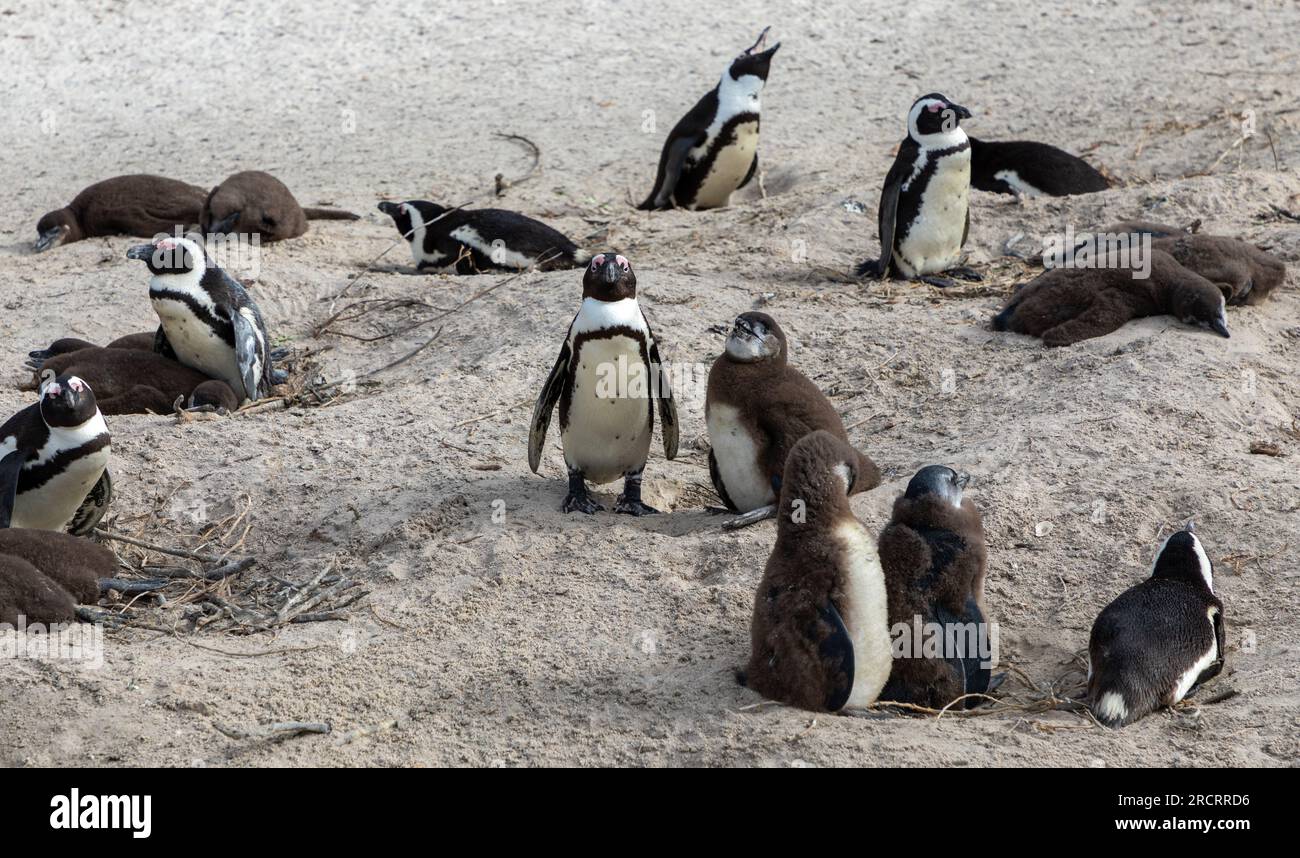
[607,380]
[1159,640]
[712,151]
[209,321]
[54,460]
[1064,306]
[257,203]
[1029,169]
[756,407]
[934,559]
[475,240]
[924,213]
[820,632]
[135,381]
[75,564]
[27,595]
[140,205]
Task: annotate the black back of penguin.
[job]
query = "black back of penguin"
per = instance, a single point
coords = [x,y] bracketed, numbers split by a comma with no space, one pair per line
[480,239]
[1158,640]
[1031,169]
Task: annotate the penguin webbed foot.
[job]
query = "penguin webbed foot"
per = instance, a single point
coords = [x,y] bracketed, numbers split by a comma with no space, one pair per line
[966,273]
[936,281]
[578,499]
[633,506]
[869,268]
[763,513]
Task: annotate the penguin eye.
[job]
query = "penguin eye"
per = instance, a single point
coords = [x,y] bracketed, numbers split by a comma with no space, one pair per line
[598,261]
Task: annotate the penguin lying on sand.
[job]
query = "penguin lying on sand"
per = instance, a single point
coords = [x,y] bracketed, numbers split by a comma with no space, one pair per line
[1030,169]
[756,408]
[713,150]
[820,632]
[476,240]
[924,213]
[125,205]
[208,320]
[933,555]
[43,575]
[605,428]
[1159,640]
[1067,305]
[54,459]
[67,345]
[258,203]
[134,381]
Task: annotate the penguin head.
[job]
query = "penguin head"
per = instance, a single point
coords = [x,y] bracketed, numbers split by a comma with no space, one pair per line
[66,401]
[1183,558]
[938,481]
[756,337]
[170,256]
[934,120]
[55,228]
[1201,303]
[409,215]
[609,277]
[755,61]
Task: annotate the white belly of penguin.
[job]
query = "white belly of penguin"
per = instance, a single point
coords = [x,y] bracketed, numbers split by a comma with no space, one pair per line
[53,505]
[865,612]
[933,244]
[608,432]
[728,169]
[737,457]
[198,346]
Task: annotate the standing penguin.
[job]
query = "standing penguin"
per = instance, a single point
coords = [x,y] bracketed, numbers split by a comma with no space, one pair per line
[820,633]
[54,461]
[475,240]
[924,213]
[712,151]
[604,428]
[934,559]
[1160,640]
[756,408]
[209,321]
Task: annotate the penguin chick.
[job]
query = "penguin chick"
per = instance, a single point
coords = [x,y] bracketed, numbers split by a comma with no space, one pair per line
[26,593]
[1067,305]
[1029,169]
[756,407]
[820,634]
[1243,272]
[1159,640]
[74,564]
[254,202]
[934,560]
[477,240]
[712,151]
[125,205]
[133,381]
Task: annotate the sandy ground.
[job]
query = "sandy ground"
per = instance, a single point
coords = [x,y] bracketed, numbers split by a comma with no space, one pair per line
[539,638]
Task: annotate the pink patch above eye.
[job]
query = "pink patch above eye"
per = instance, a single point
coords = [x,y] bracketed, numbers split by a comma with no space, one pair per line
[598,261]
[53,389]
[167,245]
[621,261]
[934,108]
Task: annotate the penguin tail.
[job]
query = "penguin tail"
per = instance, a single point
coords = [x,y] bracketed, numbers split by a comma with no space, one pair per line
[742,678]
[1002,320]
[330,214]
[580,256]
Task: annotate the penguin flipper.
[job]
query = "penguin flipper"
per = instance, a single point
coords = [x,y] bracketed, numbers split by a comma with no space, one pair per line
[94,507]
[1216,666]
[10,467]
[248,355]
[836,650]
[545,405]
[670,171]
[667,405]
[753,168]
[716,476]
[162,346]
[972,674]
[888,214]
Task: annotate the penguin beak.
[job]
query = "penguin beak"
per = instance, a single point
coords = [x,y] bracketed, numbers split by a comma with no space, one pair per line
[610,271]
[225,225]
[1191,526]
[141,252]
[758,44]
[388,208]
[962,479]
[49,238]
[962,113]
[1220,327]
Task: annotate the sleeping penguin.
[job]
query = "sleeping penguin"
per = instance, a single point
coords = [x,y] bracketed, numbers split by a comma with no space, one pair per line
[924,214]
[1029,169]
[756,408]
[477,240]
[713,150]
[934,559]
[605,429]
[140,205]
[54,459]
[819,639]
[257,203]
[1159,640]
[208,320]
[44,575]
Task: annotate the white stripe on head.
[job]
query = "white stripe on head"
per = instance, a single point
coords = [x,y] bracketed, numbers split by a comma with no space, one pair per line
[1202,558]
[736,97]
[186,282]
[940,140]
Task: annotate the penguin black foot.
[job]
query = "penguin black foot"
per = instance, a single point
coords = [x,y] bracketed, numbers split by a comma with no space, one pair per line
[279,355]
[279,376]
[965,273]
[631,506]
[937,282]
[868,268]
[995,682]
[763,513]
[578,500]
